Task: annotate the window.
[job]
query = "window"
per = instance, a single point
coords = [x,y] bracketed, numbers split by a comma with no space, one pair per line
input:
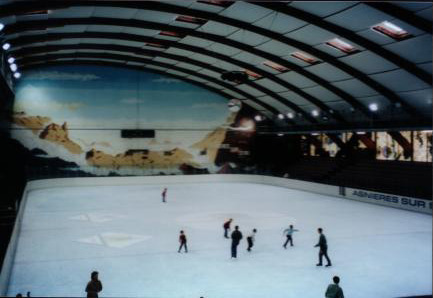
[341,45]
[391,30]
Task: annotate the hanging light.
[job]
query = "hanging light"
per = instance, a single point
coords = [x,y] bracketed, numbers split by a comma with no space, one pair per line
[290,115]
[17,75]
[315,113]
[280,116]
[13,67]
[6,46]
[11,60]
[373,107]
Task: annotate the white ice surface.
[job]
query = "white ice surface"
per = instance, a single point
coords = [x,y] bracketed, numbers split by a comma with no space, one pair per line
[131,237]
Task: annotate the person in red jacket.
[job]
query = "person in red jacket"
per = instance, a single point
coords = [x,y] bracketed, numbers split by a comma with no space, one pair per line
[182,241]
[226,227]
[164,194]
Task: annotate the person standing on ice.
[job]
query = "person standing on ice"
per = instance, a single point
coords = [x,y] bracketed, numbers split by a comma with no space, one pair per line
[182,241]
[236,238]
[289,232]
[164,194]
[226,227]
[251,239]
[334,290]
[94,286]
[323,248]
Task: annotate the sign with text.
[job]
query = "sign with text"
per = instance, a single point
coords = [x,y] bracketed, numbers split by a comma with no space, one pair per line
[397,201]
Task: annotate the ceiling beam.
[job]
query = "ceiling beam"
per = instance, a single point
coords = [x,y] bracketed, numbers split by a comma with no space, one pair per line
[344,96]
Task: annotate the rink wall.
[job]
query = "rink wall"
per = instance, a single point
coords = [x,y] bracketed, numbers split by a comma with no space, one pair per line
[390,200]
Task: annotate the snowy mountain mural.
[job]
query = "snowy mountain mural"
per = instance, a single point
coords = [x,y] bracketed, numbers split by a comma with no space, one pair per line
[76,114]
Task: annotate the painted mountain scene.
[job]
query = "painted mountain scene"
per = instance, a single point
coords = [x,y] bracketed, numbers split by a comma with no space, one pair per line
[76,114]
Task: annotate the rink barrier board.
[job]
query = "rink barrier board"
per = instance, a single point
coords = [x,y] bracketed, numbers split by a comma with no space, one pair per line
[389,200]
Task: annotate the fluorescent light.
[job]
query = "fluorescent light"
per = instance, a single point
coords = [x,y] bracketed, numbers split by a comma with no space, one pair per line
[17,75]
[13,67]
[373,107]
[315,113]
[6,46]
[11,60]
[360,132]
[290,115]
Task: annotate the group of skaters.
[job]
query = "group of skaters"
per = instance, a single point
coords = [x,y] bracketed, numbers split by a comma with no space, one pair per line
[333,290]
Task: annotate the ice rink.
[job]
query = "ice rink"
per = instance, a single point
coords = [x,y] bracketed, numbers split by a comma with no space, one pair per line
[131,237]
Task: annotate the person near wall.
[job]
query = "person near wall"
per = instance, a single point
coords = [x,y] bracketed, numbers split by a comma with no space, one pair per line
[226,227]
[182,241]
[236,238]
[289,232]
[323,251]
[94,286]
[334,290]
[164,194]
[251,238]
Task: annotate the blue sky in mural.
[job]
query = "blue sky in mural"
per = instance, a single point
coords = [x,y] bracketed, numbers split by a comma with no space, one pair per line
[105,96]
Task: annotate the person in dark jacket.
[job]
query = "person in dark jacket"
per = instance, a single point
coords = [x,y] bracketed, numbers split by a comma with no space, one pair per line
[94,286]
[164,194]
[182,241]
[323,248]
[334,290]
[236,238]
[226,227]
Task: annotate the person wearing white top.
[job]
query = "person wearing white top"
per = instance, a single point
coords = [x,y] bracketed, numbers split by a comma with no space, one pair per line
[250,239]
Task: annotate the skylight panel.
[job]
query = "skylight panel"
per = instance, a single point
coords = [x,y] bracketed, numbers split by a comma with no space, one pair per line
[275,66]
[304,57]
[191,20]
[391,30]
[172,34]
[252,74]
[219,3]
[341,45]
[156,45]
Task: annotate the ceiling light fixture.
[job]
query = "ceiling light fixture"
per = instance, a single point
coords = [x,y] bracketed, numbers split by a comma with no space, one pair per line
[373,107]
[17,75]
[290,115]
[315,113]
[13,67]
[280,116]
[6,46]
[11,60]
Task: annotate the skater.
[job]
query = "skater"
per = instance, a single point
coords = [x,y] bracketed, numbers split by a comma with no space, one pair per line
[94,286]
[226,227]
[289,233]
[334,290]
[251,239]
[236,238]
[182,241]
[323,248]
[164,194]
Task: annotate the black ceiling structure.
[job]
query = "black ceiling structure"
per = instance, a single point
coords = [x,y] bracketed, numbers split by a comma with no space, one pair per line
[285,47]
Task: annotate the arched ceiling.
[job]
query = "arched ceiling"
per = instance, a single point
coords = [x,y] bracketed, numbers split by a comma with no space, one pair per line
[285,46]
